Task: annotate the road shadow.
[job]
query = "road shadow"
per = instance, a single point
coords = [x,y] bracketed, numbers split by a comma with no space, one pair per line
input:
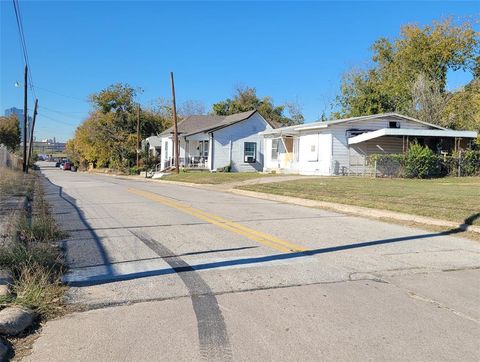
[88,248]
[82,246]
[263,259]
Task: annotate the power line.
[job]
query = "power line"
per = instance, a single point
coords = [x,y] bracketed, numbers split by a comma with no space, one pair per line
[23,44]
[56,120]
[61,94]
[65,113]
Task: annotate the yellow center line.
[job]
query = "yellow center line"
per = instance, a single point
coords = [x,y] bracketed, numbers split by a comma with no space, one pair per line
[255,235]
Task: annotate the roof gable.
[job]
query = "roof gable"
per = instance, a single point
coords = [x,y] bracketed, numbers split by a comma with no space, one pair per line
[365,118]
[205,123]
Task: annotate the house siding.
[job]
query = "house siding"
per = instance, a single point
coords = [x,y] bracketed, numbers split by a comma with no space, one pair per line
[343,155]
[229,142]
[335,156]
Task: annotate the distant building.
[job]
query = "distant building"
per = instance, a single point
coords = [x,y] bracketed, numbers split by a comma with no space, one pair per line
[19,113]
[48,147]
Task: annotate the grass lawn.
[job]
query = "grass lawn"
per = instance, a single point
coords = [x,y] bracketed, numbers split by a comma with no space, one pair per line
[453,199]
[216,178]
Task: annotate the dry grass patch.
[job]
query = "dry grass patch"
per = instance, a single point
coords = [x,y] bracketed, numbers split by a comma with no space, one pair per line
[34,260]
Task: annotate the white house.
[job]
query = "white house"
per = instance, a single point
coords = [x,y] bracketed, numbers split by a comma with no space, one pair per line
[215,142]
[341,147]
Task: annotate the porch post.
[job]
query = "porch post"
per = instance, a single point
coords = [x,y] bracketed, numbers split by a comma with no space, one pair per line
[187,152]
[210,152]
[265,154]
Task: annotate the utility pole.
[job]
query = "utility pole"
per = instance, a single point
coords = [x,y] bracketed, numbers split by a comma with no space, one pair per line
[25,112]
[175,128]
[31,133]
[138,133]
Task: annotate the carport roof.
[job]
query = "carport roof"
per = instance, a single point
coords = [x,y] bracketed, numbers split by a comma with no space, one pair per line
[445,133]
[292,130]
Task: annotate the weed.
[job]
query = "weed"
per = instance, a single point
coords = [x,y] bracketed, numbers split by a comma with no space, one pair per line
[40,289]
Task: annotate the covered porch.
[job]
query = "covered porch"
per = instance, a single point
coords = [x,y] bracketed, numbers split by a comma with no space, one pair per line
[398,141]
[195,151]
[282,151]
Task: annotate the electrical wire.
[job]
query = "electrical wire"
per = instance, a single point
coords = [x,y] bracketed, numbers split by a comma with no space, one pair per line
[61,94]
[23,44]
[65,113]
[56,120]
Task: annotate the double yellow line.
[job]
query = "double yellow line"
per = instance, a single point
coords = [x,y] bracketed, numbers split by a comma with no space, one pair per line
[258,236]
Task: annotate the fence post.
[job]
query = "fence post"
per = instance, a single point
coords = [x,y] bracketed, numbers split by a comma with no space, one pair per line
[375,169]
[460,163]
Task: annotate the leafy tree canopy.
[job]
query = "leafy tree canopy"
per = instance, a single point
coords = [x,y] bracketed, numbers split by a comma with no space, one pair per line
[246,99]
[10,132]
[108,137]
[406,69]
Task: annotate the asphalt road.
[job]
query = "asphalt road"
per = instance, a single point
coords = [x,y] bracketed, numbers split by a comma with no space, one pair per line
[169,272]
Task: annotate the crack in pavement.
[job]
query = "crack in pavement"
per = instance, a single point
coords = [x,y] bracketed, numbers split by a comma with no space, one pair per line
[440,305]
[212,330]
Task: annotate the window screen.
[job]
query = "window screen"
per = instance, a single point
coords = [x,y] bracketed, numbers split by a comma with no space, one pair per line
[250,152]
[275,149]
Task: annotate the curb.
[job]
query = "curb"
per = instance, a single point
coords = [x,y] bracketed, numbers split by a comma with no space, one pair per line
[357,210]
[343,208]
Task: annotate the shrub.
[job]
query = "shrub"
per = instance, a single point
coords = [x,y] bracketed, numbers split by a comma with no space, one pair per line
[134,170]
[388,164]
[470,163]
[421,162]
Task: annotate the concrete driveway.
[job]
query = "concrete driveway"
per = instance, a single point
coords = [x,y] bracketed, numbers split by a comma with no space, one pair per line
[168,272]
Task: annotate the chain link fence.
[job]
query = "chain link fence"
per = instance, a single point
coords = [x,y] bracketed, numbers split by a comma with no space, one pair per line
[466,163]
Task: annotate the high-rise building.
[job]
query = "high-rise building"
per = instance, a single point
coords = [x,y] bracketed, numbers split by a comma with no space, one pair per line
[19,113]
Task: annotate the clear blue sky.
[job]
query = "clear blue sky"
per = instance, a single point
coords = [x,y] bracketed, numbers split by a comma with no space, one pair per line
[287,50]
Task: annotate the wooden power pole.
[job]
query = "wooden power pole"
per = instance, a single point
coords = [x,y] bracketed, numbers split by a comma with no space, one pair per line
[31,133]
[176,145]
[138,133]
[25,112]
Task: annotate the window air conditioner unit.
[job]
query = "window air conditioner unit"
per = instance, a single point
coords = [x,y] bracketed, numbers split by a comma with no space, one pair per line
[393,124]
[249,159]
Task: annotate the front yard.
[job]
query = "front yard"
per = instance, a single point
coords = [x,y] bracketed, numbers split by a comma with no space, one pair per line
[199,177]
[454,199]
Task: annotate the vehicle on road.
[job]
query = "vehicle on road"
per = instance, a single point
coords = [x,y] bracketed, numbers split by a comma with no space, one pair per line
[67,166]
[57,164]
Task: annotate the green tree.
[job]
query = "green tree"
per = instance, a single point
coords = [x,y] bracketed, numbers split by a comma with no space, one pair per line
[108,137]
[429,51]
[10,132]
[246,99]
[463,108]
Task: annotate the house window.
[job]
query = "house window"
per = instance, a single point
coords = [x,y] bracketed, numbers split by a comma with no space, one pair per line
[393,124]
[275,149]
[250,152]
[203,148]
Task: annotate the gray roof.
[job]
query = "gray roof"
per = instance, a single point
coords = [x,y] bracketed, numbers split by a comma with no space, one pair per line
[154,141]
[325,124]
[196,124]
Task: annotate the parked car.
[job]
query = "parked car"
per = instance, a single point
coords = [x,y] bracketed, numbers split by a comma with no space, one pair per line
[67,166]
[57,164]
[61,165]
